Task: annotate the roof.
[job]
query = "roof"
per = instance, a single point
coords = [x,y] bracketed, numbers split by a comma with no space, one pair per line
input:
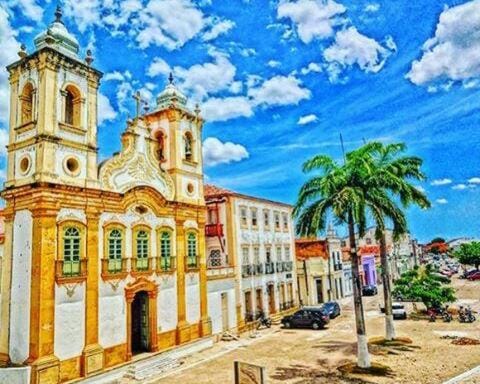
[212,191]
[307,248]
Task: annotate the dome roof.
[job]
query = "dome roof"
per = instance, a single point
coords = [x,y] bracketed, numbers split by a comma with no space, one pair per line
[58,37]
[171,95]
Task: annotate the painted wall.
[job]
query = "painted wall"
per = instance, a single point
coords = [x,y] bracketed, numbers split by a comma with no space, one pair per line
[112,317]
[215,290]
[369,269]
[15,375]
[167,303]
[192,293]
[69,321]
[20,293]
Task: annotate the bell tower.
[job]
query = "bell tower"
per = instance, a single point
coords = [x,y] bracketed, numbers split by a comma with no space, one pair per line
[53,112]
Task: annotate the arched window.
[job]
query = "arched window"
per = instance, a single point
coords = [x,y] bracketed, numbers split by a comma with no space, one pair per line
[27,104]
[160,146]
[115,250]
[192,260]
[188,143]
[141,239]
[71,251]
[165,251]
[72,106]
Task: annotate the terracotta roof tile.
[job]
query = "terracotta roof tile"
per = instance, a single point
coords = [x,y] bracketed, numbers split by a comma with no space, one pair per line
[212,191]
[307,248]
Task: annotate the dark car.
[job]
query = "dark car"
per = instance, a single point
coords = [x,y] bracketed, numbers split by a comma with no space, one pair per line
[332,308]
[474,276]
[369,290]
[315,318]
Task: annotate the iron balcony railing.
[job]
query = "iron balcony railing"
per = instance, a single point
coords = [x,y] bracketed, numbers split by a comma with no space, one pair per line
[288,266]
[214,230]
[166,263]
[269,268]
[248,270]
[192,262]
[259,268]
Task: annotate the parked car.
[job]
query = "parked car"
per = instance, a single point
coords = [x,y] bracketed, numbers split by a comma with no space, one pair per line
[332,308]
[465,274]
[369,290]
[398,310]
[474,276]
[315,318]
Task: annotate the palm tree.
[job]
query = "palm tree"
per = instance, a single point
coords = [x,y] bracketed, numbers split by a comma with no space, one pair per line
[352,192]
[391,173]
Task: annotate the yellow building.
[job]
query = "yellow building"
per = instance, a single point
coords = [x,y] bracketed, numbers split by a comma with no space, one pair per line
[100,261]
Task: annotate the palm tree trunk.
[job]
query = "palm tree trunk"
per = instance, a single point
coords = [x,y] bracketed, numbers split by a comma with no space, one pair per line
[363,357]
[387,289]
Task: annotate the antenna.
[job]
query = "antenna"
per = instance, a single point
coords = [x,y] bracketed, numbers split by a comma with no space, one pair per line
[343,149]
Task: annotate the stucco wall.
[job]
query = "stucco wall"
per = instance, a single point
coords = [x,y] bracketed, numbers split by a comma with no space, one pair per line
[15,375]
[20,293]
[192,293]
[112,315]
[167,303]
[69,321]
[215,289]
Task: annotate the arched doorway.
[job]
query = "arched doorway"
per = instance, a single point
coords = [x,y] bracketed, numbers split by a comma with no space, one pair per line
[141,296]
[140,333]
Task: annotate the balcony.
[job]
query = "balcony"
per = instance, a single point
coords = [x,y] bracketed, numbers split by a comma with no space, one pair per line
[259,268]
[192,262]
[220,272]
[337,267]
[269,268]
[142,265]
[114,268]
[279,266]
[288,266]
[214,230]
[70,271]
[166,264]
[248,270]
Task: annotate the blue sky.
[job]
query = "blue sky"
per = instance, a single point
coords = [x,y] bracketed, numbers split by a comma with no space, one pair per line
[278,82]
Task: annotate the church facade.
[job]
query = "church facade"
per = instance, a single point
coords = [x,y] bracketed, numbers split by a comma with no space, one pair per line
[101,261]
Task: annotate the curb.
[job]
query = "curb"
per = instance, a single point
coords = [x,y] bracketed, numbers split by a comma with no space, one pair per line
[464,375]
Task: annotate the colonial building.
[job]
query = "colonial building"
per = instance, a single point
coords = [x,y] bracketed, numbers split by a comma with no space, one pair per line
[319,269]
[101,262]
[254,237]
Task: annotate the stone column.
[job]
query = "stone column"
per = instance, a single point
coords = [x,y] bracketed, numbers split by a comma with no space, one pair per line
[129,299]
[205,321]
[92,355]
[183,327]
[45,365]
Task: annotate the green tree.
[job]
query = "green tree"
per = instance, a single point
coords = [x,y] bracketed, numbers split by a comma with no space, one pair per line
[390,175]
[422,284]
[469,254]
[352,193]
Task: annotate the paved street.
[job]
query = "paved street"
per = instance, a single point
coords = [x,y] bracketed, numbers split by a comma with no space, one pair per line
[305,356]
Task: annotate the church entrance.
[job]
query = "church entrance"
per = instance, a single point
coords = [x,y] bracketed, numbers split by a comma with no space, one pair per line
[140,332]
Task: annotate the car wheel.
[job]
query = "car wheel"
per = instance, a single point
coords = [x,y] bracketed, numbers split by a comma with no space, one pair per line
[315,326]
[405,316]
[287,324]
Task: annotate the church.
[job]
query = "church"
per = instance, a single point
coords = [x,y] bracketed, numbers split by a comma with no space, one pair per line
[101,261]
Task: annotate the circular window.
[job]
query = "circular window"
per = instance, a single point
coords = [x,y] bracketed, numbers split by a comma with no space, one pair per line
[25,165]
[190,188]
[72,166]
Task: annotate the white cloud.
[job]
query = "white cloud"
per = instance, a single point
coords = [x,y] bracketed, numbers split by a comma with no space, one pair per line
[279,90]
[218,109]
[474,180]
[307,119]
[442,201]
[438,182]
[372,7]
[10,47]
[218,28]
[420,188]
[158,67]
[215,152]
[30,9]
[105,109]
[201,80]
[460,187]
[351,47]
[314,19]
[274,64]
[114,76]
[85,12]
[453,52]
[312,67]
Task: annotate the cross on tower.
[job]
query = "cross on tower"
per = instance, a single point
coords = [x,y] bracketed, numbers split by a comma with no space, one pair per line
[138,101]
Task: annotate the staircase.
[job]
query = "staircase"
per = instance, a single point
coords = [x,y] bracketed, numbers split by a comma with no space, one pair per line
[152,367]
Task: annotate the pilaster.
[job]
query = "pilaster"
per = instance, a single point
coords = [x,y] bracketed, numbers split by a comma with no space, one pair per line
[206,323]
[183,328]
[45,365]
[92,355]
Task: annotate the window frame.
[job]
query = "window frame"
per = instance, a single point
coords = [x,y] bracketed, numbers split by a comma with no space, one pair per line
[118,263]
[191,260]
[61,276]
[165,263]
